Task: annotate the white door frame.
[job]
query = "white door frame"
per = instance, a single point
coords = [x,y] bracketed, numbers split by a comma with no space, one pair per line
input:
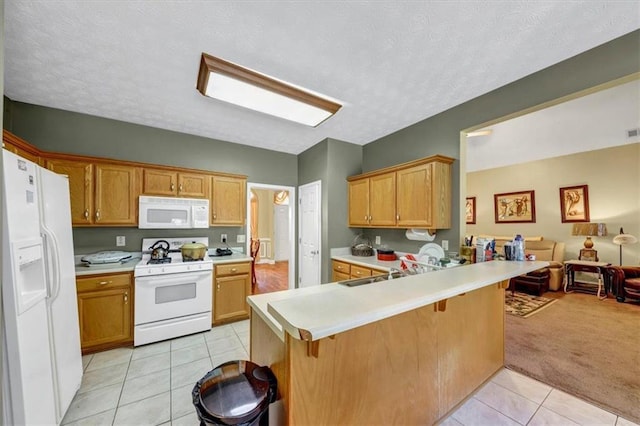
[319,253]
[292,223]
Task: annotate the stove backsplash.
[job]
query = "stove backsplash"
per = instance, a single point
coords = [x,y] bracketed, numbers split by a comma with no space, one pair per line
[91,240]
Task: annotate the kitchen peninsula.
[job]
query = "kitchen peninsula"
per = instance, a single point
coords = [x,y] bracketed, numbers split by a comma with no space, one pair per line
[402,351]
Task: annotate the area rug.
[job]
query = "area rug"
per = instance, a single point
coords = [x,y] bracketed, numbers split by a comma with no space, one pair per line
[524,305]
[583,346]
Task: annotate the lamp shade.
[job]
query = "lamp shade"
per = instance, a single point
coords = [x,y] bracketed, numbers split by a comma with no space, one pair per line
[623,239]
[589,229]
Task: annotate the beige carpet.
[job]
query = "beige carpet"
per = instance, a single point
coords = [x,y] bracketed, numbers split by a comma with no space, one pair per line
[583,346]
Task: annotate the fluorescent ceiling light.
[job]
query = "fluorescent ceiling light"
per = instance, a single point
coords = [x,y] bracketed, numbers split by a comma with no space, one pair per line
[479,133]
[232,83]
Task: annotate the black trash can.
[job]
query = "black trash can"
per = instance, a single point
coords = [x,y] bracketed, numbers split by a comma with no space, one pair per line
[235,393]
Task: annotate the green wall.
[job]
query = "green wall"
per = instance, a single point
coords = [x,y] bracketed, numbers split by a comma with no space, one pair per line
[440,134]
[331,162]
[70,132]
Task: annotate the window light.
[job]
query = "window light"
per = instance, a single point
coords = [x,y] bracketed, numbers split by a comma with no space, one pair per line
[228,82]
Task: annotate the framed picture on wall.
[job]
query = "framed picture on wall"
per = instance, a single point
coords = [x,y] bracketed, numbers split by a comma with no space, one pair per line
[574,203]
[470,210]
[515,207]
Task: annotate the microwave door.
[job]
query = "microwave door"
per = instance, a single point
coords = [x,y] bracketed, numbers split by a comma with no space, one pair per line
[164,217]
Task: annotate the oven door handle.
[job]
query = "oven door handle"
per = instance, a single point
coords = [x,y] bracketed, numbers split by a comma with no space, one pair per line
[173,279]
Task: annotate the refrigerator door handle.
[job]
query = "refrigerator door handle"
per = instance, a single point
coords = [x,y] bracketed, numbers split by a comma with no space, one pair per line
[51,244]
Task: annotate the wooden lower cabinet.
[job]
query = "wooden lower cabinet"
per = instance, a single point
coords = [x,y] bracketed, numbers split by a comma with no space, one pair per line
[411,368]
[344,270]
[105,311]
[232,286]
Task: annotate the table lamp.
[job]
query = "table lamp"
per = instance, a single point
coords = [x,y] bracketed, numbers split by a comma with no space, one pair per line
[622,239]
[589,230]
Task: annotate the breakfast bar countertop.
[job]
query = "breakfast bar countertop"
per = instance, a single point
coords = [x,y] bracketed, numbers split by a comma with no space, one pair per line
[313,313]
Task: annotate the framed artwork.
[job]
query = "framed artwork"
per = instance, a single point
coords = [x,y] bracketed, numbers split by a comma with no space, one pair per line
[574,203]
[470,210]
[515,207]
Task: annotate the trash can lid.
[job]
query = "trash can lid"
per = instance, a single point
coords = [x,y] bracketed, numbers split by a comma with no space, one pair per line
[233,393]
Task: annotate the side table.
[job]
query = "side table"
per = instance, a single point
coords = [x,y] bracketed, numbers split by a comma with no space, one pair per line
[571,266]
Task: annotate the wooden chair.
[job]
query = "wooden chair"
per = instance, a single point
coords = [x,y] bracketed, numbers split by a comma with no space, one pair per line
[255,249]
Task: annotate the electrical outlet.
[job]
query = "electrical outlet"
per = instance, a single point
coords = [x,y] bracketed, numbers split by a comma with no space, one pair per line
[121,241]
[240,239]
[445,244]
[378,239]
[223,238]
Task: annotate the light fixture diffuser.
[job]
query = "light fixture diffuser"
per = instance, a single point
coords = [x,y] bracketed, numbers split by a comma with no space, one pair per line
[228,82]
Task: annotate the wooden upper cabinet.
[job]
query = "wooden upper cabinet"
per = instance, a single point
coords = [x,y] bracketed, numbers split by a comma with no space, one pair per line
[372,201]
[116,190]
[359,202]
[414,197]
[159,182]
[80,176]
[193,185]
[169,183]
[382,200]
[18,146]
[411,195]
[228,200]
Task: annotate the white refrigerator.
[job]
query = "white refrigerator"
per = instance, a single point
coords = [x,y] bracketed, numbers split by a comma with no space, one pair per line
[42,365]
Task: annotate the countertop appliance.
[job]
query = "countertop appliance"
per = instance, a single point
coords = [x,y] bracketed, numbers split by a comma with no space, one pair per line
[173,296]
[172,213]
[42,368]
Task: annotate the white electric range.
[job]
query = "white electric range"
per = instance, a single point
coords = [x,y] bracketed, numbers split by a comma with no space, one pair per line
[172,297]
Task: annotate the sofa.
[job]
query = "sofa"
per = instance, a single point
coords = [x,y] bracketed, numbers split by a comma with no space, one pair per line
[625,281]
[547,250]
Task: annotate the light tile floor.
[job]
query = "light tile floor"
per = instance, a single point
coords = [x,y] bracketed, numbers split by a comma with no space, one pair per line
[151,385]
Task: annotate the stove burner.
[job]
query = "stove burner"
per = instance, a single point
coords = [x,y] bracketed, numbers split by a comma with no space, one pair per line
[159,261]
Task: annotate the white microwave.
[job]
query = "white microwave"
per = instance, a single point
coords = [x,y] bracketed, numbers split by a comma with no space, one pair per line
[172,213]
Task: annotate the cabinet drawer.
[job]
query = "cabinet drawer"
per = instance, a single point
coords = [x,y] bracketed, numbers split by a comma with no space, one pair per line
[100,282]
[232,269]
[342,267]
[359,271]
[375,272]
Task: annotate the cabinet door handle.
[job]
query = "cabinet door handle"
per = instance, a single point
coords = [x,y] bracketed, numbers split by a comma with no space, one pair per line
[214,215]
[218,287]
[397,217]
[126,298]
[172,186]
[86,214]
[180,188]
[98,214]
[233,269]
[105,282]
[369,218]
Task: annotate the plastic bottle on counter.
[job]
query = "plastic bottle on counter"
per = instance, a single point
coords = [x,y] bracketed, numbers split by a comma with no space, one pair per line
[519,247]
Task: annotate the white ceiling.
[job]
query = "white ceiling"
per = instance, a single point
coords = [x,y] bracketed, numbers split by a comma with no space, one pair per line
[391,63]
[596,121]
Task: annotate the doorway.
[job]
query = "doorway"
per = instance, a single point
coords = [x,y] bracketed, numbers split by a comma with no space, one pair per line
[271,222]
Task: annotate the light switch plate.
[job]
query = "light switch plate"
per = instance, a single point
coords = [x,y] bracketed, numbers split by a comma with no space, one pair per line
[223,238]
[445,244]
[240,239]
[378,239]
[121,241]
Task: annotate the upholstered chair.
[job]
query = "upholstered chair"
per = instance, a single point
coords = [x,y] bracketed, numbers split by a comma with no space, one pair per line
[625,281]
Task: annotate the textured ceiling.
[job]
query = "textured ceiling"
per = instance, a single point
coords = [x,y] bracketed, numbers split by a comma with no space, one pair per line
[391,63]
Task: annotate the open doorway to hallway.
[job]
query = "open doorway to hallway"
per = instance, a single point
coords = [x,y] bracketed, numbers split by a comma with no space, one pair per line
[271,230]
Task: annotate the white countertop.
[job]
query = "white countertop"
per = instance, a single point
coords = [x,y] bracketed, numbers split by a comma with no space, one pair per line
[368,261]
[114,268]
[321,311]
